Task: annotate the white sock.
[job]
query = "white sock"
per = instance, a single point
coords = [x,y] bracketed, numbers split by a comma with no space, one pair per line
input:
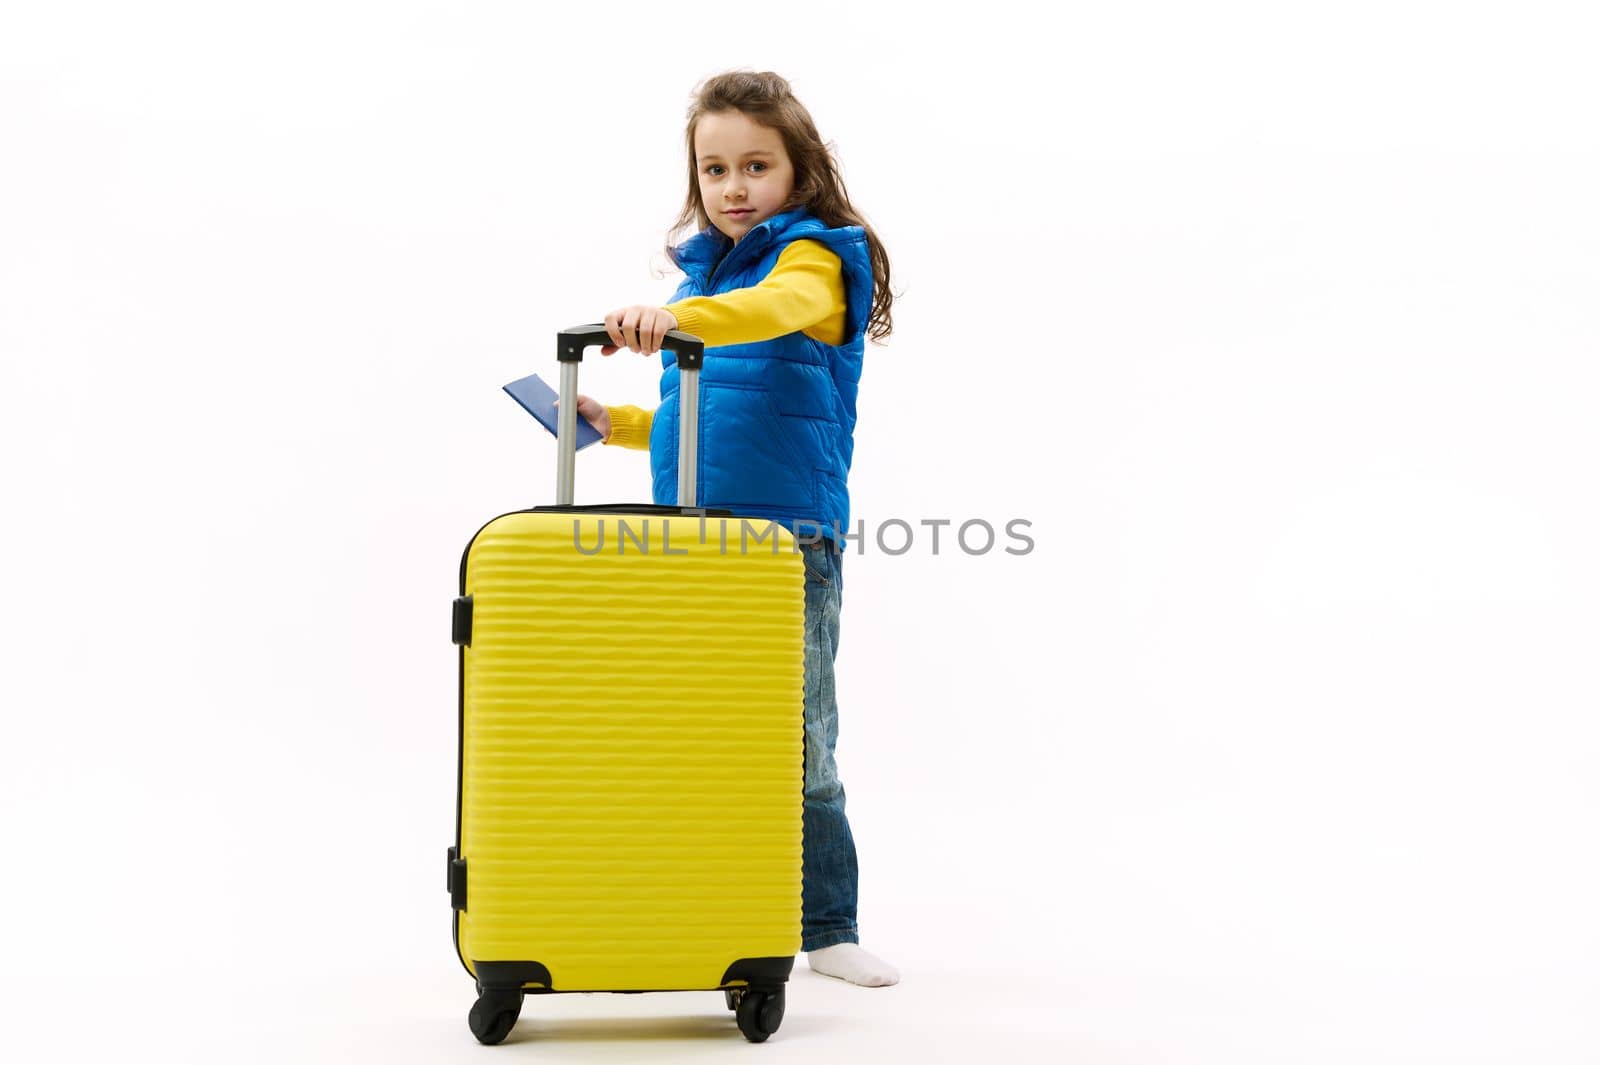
[848,961]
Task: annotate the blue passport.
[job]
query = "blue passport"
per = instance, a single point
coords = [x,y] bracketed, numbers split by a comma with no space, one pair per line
[539,400]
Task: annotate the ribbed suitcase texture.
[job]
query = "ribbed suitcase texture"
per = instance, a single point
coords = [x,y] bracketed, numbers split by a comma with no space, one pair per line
[631,748]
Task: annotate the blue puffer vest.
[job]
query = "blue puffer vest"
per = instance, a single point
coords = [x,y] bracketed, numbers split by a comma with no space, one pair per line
[777,418]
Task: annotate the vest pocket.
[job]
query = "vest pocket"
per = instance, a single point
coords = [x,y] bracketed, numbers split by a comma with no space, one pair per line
[749,456]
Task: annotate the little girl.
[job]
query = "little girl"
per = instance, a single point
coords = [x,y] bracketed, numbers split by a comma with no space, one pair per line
[784,283]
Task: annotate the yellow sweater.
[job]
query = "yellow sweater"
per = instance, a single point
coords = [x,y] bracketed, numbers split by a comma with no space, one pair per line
[804,292]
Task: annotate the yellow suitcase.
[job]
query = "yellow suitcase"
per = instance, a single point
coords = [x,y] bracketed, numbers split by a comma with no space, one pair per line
[631,740]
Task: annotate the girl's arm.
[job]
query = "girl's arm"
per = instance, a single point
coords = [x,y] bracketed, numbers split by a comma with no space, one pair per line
[803,293]
[630,427]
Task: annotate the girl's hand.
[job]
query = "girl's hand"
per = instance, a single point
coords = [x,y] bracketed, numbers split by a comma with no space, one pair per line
[638,328]
[595,413]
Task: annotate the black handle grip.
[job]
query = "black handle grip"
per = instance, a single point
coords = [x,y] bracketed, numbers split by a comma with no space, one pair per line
[571,343]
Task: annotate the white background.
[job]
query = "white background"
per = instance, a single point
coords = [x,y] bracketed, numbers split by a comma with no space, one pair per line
[1278,322]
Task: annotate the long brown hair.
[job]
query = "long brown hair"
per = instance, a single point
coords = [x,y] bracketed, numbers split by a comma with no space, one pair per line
[767,99]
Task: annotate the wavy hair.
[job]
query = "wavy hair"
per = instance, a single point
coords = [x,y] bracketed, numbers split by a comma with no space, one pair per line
[767,99]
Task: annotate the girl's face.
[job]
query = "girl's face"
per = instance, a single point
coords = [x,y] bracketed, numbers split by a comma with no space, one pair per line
[744,173]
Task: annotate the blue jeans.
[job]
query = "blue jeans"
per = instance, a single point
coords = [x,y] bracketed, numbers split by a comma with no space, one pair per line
[829,866]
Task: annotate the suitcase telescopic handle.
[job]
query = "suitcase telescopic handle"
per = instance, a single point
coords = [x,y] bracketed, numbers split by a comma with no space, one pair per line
[572,343]
[570,346]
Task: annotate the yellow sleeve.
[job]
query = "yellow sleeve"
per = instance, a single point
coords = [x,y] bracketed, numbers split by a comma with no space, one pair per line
[630,427]
[803,293]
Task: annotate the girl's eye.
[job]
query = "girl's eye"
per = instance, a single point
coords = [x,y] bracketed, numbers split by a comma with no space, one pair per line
[762,165]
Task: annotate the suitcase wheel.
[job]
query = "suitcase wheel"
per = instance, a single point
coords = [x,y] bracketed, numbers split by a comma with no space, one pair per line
[759,1012]
[494,1014]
